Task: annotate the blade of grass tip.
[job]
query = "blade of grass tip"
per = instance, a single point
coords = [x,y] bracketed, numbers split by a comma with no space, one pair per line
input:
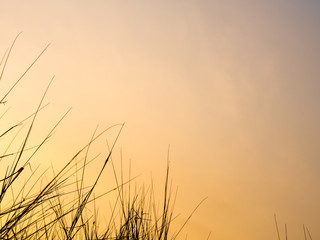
[11,142]
[304,231]
[8,130]
[6,61]
[3,57]
[209,236]
[11,169]
[108,157]
[285,228]
[309,234]
[4,113]
[24,73]
[189,217]
[275,220]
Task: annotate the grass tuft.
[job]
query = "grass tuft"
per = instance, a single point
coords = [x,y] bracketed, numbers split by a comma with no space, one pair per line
[60,207]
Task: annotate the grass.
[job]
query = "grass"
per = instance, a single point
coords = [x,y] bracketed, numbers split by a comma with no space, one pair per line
[306,232]
[34,206]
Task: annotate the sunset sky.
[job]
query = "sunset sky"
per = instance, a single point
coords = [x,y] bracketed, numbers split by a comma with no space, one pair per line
[232,86]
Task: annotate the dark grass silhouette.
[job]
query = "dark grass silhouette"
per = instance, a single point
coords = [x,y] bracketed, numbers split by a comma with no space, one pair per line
[306,232]
[59,207]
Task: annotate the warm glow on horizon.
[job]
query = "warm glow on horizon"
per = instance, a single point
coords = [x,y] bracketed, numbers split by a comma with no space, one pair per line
[232,86]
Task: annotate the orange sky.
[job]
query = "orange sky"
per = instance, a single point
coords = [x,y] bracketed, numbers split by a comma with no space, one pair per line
[232,86]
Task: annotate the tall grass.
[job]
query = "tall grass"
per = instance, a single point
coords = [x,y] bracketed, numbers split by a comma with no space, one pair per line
[34,206]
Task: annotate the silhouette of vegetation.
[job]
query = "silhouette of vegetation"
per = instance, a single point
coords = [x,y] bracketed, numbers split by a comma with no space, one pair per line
[306,231]
[56,208]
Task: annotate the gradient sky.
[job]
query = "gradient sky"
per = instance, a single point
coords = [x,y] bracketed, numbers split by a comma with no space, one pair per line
[233,87]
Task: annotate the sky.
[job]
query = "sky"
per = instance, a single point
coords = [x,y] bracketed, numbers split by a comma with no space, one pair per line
[232,86]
